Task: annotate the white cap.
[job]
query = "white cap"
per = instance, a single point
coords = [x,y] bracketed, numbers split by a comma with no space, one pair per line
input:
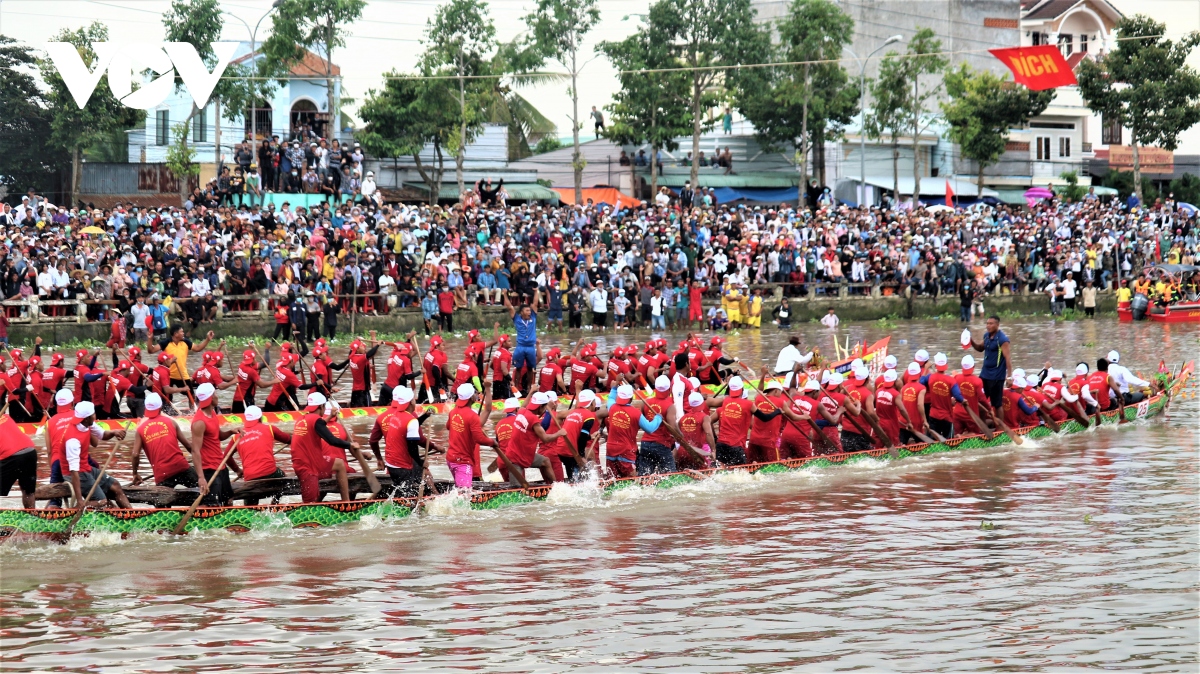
[824,377]
[316,399]
[890,376]
[914,368]
[836,378]
[625,391]
[922,356]
[1081,369]
[1031,380]
[940,359]
[253,413]
[64,398]
[695,399]
[1019,372]
[332,407]
[465,391]
[735,383]
[153,401]
[512,403]
[586,397]
[890,362]
[396,392]
[861,373]
[968,362]
[542,397]
[856,363]
[662,383]
[84,410]
[404,395]
[812,385]
[1114,357]
[1053,374]
[694,382]
[1019,381]
[205,391]
[965,338]
[773,384]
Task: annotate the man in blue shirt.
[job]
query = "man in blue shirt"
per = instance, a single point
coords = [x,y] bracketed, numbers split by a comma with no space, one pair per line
[997,365]
[525,355]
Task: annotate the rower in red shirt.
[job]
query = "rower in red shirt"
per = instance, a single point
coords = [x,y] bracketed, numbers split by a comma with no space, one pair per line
[467,371]
[398,365]
[1075,386]
[464,428]
[280,399]
[617,365]
[583,372]
[942,392]
[696,426]
[1101,390]
[550,376]
[248,381]
[504,429]
[308,456]
[435,376]
[257,449]
[402,445]
[54,377]
[71,451]
[527,433]
[502,369]
[733,424]
[765,428]
[625,418]
[360,356]
[160,437]
[18,462]
[887,404]
[1018,411]
[580,427]
[912,394]
[1051,408]
[971,388]
[319,373]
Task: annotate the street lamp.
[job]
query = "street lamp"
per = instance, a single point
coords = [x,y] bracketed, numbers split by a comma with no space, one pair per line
[862,115]
[253,48]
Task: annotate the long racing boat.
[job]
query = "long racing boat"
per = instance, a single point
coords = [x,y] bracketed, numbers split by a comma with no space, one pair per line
[51,523]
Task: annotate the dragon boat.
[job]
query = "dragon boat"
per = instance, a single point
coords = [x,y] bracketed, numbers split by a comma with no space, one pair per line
[18,524]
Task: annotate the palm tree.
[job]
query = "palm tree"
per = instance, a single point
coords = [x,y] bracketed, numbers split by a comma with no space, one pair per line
[526,125]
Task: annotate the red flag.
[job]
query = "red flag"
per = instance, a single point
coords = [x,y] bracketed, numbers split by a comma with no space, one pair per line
[1038,68]
[949,194]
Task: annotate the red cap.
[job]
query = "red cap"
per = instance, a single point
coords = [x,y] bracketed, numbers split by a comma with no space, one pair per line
[319,351]
[436,340]
[34,360]
[504,339]
[472,335]
[81,354]
[247,355]
[56,359]
[631,349]
[321,342]
[16,353]
[618,352]
[356,345]
[125,365]
[553,353]
[162,357]
[286,346]
[135,352]
[717,340]
[207,357]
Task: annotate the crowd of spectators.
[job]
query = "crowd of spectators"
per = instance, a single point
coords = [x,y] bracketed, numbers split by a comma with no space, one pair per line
[645,266]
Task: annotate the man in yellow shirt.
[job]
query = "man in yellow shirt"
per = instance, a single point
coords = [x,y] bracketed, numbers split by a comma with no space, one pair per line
[1124,294]
[755,317]
[732,302]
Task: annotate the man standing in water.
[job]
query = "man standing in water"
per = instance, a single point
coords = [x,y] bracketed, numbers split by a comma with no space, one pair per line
[997,363]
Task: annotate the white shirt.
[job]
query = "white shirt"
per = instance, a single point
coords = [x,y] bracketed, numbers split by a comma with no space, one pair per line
[1124,377]
[1069,289]
[599,298]
[789,357]
[830,320]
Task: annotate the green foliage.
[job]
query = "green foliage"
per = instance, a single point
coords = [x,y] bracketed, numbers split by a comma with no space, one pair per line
[890,114]
[74,129]
[1122,182]
[983,107]
[547,144]
[317,25]
[1145,83]
[707,36]
[500,104]
[796,106]
[1186,189]
[30,159]
[181,157]
[1074,191]
[923,57]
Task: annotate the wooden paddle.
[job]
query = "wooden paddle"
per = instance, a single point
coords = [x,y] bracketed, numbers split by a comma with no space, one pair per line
[676,434]
[83,504]
[196,504]
[825,442]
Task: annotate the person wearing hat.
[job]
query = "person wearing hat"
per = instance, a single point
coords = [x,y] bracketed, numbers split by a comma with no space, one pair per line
[402,444]
[942,393]
[160,438]
[527,433]
[625,418]
[257,449]
[464,429]
[912,395]
[1126,380]
[309,459]
[282,397]
[888,405]
[967,416]
[70,451]
[207,435]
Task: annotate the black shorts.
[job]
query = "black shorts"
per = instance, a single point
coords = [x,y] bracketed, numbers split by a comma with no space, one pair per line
[731,455]
[599,318]
[993,390]
[944,428]
[186,477]
[1131,398]
[502,389]
[855,442]
[221,491]
[20,469]
[404,480]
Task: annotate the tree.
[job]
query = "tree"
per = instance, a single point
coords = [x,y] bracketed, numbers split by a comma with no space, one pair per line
[651,107]
[796,104]
[922,58]
[1185,188]
[1146,84]
[501,104]
[558,28]
[199,23]
[890,113]
[1074,192]
[981,110]
[709,38]
[408,114]
[30,160]
[317,25]
[460,36]
[74,129]
[181,159]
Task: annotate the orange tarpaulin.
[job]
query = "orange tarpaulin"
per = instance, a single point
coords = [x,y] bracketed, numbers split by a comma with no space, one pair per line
[599,195]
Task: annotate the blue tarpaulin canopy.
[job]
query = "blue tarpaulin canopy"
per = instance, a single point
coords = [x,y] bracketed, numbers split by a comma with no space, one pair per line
[761,194]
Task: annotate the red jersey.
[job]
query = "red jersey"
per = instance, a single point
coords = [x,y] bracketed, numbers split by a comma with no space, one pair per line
[615,368]
[1034,396]
[1077,383]
[523,444]
[435,358]
[971,388]
[53,377]
[859,394]
[339,431]
[358,371]
[466,372]
[78,373]
[247,381]
[548,376]
[501,358]
[940,396]
[796,433]
[160,441]
[397,436]
[395,369]
[320,372]
[286,380]
[766,433]
[691,426]
[581,370]
[504,432]
[886,401]
[1097,383]
[56,428]
[257,448]
[574,424]
[210,449]
[734,421]
[657,406]
[307,456]
[909,395]
[12,440]
[137,373]
[465,433]
[623,427]
[1014,416]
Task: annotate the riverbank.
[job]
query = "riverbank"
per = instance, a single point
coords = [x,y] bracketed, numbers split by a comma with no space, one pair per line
[400,321]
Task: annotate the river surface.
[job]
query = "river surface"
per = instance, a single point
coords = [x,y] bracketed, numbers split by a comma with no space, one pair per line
[1064,554]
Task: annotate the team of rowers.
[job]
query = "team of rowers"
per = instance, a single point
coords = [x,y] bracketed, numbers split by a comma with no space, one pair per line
[642,411]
